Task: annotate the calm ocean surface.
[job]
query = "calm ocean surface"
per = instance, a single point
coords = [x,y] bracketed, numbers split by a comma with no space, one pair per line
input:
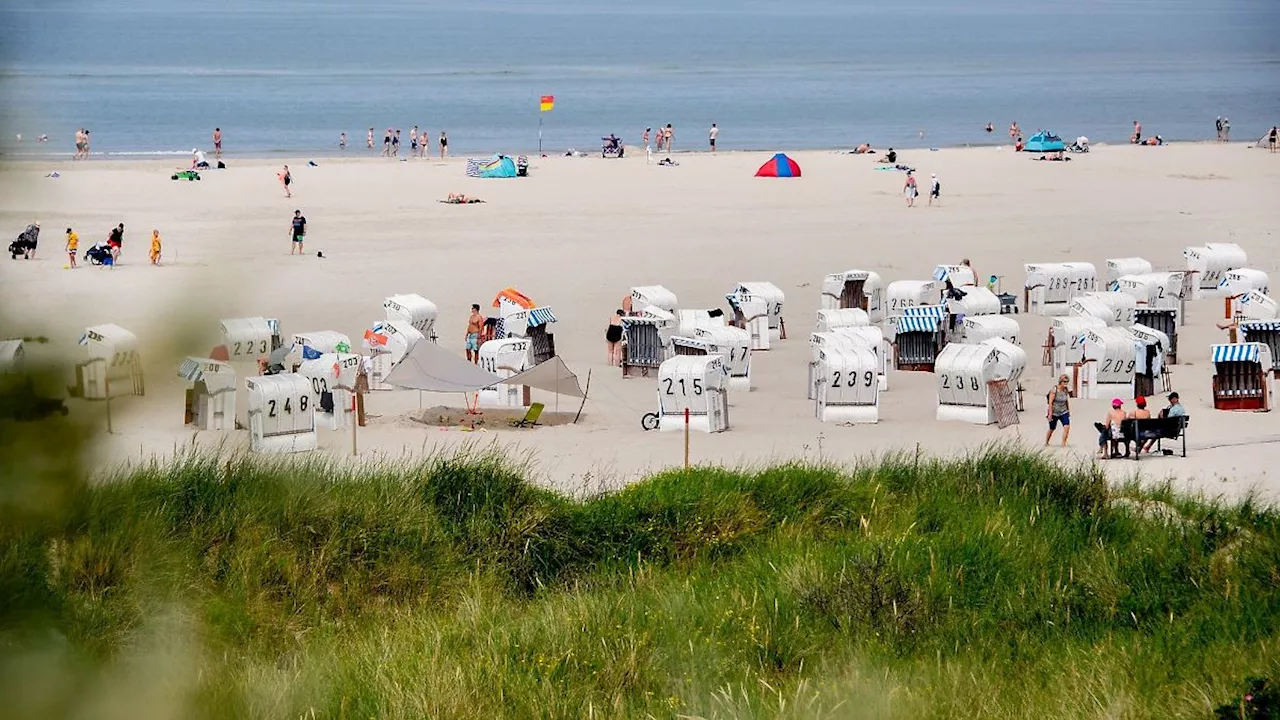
[147,76]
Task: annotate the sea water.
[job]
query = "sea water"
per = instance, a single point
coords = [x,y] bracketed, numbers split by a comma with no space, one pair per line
[286,76]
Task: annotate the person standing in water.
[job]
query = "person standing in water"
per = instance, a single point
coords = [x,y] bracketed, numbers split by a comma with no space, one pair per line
[342,141]
[444,144]
[368,139]
[217,143]
[712,135]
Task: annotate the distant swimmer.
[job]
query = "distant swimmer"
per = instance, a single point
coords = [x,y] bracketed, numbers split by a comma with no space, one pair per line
[990,128]
[342,141]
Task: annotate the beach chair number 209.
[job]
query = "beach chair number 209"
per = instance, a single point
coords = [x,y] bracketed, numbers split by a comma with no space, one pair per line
[302,406]
[1117,365]
[697,386]
[946,382]
[868,377]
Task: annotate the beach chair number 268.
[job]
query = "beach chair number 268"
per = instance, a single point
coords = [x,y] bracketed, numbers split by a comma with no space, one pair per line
[697,386]
[288,409]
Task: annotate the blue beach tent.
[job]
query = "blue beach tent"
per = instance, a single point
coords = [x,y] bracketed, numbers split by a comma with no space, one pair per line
[1045,142]
[498,166]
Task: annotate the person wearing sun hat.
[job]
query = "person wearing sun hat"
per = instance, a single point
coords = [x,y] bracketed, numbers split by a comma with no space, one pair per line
[1109,430]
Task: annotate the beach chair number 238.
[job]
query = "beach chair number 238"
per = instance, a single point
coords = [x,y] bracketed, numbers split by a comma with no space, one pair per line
[946,382]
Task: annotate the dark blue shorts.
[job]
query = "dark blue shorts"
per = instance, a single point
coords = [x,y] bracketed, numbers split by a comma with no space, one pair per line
[1065,419]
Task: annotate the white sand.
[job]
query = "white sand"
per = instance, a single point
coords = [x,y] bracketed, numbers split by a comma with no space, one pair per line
[579,232]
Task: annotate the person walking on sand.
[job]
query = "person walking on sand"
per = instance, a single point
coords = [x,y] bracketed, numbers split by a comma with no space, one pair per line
[1014,131]
[1272,138]
[368,139]
[645,140]
[613,339]
[1226,129]
[342,141]
[115,243]
[1136,137]
[444,144]
[668,136]
[935,190]
[395,144]
[712,134]
[286,179]
[1059,410]
[413,141]
[475,324]
[910,190]
[73,246]
[1217,124]
[217,143]
[155,247]
[386,143]
[297,233]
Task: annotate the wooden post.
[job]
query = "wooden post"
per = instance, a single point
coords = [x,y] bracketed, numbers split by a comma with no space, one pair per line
[355,402]
[686,438]
[106,382]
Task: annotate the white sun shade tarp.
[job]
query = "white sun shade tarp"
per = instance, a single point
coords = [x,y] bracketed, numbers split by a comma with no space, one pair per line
[431,368]
[552,375]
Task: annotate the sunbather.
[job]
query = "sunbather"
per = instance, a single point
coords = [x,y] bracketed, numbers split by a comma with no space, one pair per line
[461,199]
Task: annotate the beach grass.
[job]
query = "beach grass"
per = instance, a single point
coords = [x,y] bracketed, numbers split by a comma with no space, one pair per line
[997,585]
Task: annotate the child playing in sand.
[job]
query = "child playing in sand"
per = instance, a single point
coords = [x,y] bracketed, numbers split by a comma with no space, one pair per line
[155,247]
[73,246]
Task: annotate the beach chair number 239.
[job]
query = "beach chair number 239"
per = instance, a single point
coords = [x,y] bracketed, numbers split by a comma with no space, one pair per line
[287,408]
[696,383]
[851,380]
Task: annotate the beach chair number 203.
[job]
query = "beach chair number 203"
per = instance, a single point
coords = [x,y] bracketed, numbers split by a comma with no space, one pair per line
[868,378]
[671,383]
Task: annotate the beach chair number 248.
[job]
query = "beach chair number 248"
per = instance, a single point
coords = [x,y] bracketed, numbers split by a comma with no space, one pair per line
[288,409]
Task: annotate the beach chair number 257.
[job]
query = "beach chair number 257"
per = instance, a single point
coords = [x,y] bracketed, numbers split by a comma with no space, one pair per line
[697,386]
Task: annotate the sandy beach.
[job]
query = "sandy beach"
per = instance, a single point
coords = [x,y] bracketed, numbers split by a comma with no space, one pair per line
[579,232]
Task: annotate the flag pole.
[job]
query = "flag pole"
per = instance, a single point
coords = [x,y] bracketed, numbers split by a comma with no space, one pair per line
[539,132]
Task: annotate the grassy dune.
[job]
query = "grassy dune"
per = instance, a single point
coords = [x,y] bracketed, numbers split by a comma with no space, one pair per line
[991,586]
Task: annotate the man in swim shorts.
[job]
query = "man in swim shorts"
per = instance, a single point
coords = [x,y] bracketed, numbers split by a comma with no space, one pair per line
[297,232]
[217,143]
[475,324]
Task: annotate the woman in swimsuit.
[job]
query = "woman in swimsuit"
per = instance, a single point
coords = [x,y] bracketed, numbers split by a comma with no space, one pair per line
[613,336]
[444,144]
[287,179]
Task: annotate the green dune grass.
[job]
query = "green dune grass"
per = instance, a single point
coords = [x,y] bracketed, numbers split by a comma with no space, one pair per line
[997,585]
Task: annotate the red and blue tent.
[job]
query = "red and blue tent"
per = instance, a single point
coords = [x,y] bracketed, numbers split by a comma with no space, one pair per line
[779,166]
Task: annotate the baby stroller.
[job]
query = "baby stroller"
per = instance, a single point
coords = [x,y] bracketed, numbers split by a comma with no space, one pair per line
[611,147]
[25,243]
[522,166]
[99,254]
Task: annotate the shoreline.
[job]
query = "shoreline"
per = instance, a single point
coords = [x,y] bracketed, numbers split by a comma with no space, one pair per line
[146,157]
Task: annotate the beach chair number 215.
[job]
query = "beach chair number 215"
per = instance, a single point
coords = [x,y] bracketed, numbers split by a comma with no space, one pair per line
[697,386]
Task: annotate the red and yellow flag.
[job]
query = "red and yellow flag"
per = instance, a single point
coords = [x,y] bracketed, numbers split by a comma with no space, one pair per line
[547,103]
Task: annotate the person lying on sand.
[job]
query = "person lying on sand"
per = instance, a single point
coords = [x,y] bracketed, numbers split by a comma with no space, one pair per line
[863,149]
[460,199]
